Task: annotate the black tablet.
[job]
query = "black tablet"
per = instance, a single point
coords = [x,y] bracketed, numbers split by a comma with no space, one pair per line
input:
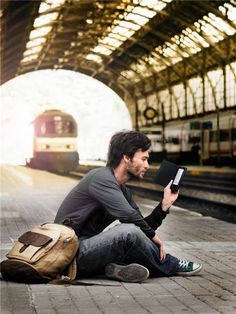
[170,171]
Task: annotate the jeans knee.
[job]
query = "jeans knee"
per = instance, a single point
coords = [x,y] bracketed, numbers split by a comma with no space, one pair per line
[133,229]
[131,232]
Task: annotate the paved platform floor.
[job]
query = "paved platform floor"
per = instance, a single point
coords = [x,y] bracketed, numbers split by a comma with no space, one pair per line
[30,197]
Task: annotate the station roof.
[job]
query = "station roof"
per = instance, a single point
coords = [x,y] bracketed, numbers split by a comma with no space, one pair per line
[123,43]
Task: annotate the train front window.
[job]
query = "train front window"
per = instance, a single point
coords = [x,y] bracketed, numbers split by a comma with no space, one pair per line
[64,127]
[56,128]
[59,128]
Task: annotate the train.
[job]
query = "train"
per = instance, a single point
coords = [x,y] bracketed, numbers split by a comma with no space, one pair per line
[55,136]
[209,140]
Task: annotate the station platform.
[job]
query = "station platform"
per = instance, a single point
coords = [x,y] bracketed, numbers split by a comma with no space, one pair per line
[30,197]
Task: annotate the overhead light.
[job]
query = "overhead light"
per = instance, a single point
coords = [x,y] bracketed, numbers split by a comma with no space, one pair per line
[89,21]
[99,5]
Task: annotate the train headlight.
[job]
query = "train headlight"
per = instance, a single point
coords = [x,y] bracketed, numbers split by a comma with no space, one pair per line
[44,146]
[70,146]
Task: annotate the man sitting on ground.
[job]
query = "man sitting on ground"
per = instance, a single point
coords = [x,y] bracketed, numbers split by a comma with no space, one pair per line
[130,251]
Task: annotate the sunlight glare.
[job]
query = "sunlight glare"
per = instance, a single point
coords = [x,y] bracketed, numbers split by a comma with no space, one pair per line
[98,111]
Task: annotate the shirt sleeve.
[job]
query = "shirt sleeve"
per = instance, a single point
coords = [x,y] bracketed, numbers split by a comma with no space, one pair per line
[156,217]
[108,193]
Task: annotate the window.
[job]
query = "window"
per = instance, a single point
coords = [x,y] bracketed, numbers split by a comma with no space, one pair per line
[55,128]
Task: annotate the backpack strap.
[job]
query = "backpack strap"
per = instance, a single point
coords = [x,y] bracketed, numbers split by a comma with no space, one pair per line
[68,275]
[71,271]
[70,223]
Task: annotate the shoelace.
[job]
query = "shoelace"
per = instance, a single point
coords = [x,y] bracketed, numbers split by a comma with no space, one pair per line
[183,263]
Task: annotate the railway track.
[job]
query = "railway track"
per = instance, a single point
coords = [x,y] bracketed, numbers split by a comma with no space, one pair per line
[209,194]
[225,184]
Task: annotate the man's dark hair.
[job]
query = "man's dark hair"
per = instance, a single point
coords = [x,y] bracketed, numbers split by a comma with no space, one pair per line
[126,143]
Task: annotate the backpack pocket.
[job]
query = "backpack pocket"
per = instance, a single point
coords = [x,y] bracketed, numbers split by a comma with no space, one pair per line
[33,238]
[32,246]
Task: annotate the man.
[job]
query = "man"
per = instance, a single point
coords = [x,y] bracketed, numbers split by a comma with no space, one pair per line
[129,251]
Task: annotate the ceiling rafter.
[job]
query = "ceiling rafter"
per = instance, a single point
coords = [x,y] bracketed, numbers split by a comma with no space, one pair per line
[84,37]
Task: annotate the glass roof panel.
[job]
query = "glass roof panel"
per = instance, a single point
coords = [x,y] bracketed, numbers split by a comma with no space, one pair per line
[231,11]
[103,50]
[155,4]
[143,70]
[32,50]
[141,20]
[45,19]
[93,57]
[221,25]
[131,75]
[129,25]
[144,12]
[36,42]
[44,7]
[117,36]
[40,32]
[50,4]
[211,32]
[123,31]
[128,74]
[156,62]
[29,58]
[189,44]
[111,41]
[199,39]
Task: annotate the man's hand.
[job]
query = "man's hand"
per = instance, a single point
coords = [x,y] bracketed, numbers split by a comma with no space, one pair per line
[169,197]
[159,243]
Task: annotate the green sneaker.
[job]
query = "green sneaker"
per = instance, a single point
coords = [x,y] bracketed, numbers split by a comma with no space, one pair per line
[187,268]
[129,273]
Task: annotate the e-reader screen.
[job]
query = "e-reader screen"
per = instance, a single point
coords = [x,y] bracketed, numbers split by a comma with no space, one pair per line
[178,176]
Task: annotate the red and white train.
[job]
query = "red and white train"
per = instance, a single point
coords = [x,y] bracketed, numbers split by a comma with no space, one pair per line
[54,142]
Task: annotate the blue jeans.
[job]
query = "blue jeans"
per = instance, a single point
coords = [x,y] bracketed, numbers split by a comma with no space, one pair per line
[124,243]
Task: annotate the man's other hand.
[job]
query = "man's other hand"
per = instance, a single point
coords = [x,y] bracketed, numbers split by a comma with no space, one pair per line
[159,243]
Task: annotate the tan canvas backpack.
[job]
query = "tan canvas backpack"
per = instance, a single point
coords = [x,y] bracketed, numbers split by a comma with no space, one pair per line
[45,253]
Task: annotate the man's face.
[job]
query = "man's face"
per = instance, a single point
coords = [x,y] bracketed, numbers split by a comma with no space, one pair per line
[138,165]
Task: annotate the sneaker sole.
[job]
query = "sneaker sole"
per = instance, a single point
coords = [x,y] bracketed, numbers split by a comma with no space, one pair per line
[190,273]
[128,273]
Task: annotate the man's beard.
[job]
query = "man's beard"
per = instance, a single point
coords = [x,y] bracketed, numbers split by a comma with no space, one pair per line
[133,176]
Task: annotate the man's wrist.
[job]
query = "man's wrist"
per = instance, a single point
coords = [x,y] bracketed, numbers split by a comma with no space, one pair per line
[165,207]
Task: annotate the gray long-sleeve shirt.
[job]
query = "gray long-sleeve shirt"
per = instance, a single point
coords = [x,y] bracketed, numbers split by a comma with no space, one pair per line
[98,200]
